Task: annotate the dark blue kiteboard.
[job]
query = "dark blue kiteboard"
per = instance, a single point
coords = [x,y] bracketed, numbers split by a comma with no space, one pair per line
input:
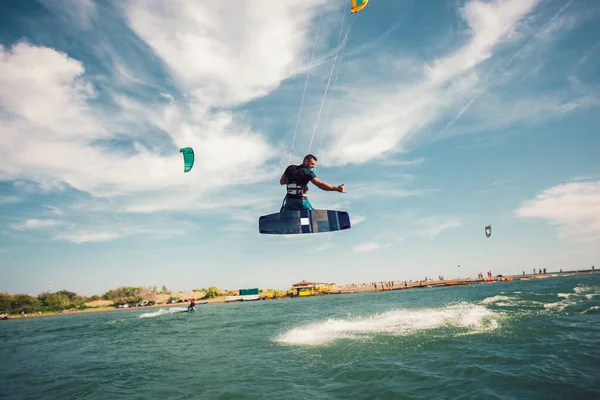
[303,221]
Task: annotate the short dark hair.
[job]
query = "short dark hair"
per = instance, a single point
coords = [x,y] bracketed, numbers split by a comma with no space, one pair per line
[310,157]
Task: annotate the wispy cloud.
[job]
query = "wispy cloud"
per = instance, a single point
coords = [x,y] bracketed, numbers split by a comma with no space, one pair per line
[211,71]
[97,227]
[9,199]
[357,219]
[64,133]
[322,247]
[81,13]
[444,81]
[85,236]
[409,109]
[588,54]
[367,247]
[392,162]
[103,232]
[45,186]
[493,186]
[574,208]
[381,190]
[213,57]
[36,224]
[433,226]
[55,210]
[410,224]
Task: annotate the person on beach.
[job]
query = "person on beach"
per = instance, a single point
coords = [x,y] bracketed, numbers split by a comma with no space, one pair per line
[192,305]
[296,178]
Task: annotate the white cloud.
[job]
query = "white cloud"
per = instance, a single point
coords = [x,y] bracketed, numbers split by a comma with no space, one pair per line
[55,210]
[357,219]
[403,109]
[574,208]
[401,163]
[500,110]
[36,224]
[228,51]
[381,189]
[433,226]
[102,231]
[322,247]
[49,130]
[86,237]
[45,88]
[367,247]
[51,142]
[47,186]
[81,13]
[410,224]
[489,22]
[52,121]
[9,199]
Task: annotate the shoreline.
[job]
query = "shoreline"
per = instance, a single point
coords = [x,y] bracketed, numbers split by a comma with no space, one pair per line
[344,289]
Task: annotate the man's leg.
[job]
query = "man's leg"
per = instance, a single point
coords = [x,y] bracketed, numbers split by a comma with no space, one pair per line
[293,205]
[306,204]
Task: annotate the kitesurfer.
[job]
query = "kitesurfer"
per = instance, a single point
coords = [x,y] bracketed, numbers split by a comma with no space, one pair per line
[296,178]
[192,305]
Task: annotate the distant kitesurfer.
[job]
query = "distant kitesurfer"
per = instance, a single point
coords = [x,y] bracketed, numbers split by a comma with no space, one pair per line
[296,178]
[192,305]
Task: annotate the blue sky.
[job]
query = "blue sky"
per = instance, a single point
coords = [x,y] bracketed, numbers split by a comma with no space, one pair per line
[440,118]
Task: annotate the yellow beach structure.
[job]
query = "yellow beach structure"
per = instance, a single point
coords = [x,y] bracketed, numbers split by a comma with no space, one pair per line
[305,288]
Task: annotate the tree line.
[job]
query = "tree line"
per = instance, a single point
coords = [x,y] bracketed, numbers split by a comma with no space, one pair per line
[58,301]
[66,300]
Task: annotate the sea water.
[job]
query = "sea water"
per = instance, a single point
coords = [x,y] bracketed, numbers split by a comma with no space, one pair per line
[528,339]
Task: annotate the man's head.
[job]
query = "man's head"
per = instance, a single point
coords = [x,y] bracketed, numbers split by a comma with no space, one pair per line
[309,161]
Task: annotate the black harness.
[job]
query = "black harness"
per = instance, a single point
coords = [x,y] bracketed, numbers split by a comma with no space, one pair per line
[297,181]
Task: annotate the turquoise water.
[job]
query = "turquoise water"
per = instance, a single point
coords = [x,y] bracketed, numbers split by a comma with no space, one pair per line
[535,339]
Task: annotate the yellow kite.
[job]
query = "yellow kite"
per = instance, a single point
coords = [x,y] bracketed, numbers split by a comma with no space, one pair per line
[358,5]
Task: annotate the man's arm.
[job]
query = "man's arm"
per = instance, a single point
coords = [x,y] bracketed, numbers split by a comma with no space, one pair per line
[326,186]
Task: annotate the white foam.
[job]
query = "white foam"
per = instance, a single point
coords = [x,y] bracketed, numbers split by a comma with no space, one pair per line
[495,299]
[395,322]
[559,305]
[162,311]
[570,299]
[582,289]
[591,309]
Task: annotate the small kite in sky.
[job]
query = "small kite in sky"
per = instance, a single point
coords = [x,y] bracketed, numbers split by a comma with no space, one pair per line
[188,158]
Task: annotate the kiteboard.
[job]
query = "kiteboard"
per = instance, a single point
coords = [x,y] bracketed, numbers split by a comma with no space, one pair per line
[303,221]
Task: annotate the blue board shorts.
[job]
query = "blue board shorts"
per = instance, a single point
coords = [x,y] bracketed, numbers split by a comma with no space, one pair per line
[297,204]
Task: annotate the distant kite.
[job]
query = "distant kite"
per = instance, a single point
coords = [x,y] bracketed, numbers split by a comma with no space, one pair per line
[357,5]
[488,231]
[188,158]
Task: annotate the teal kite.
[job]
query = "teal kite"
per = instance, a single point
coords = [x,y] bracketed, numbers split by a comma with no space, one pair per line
[488,231]
[188,158]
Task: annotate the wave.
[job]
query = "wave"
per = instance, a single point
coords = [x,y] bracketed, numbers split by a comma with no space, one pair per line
[579,296]
[162,311]
[510,301]
[403,322]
